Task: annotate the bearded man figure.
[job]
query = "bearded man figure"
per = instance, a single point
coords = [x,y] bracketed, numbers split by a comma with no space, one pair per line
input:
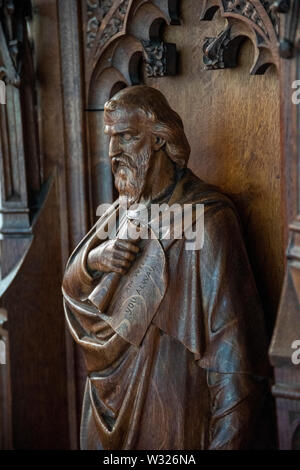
[173,338]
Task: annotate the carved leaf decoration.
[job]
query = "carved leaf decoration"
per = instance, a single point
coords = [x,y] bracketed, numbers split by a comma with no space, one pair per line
[214,51]
[248,9]
[105,19]
[160,58]
[96,11]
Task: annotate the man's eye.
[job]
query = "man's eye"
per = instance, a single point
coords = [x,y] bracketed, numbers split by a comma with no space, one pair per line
[126,137]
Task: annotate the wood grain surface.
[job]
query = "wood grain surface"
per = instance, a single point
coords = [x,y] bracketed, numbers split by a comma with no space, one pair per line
[232,123]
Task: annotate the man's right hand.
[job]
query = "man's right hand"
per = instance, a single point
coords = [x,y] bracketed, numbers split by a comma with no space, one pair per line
[113,256]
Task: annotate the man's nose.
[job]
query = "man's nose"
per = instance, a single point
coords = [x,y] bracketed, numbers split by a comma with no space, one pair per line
[114,147]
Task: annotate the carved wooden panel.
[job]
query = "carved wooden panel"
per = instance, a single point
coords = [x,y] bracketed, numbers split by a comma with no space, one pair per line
[19,148]
[254,19]
[31,316]
[232,122]
[37,343]
[118,36]
[14,195]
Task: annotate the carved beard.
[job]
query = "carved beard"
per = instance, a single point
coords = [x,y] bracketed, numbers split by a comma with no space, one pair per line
[130,173]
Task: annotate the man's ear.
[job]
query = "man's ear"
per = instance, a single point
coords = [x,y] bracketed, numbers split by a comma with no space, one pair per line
[157,142]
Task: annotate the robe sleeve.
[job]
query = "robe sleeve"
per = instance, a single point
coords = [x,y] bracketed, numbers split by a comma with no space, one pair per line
[235,338]
[78,280]
[235,353]
[212,305]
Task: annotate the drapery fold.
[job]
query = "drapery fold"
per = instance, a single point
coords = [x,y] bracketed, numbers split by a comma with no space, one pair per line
[208,320]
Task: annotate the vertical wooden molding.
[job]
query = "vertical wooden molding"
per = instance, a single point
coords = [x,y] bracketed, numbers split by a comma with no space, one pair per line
[14,192]
[76,167]
[76,164]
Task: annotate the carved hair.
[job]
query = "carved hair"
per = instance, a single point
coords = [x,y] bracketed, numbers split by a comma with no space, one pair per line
[164,121]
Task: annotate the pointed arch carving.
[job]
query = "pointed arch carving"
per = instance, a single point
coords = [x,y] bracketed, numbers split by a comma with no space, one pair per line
[253,19]
[121,35]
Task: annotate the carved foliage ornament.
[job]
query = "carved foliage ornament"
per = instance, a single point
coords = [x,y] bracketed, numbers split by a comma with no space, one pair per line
[255,19]
[216,50]
[115,24]
[105,18]
[96,11]
[160,58]
[248,9]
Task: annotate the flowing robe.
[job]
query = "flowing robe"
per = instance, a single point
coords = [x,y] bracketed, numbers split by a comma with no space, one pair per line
[189,372]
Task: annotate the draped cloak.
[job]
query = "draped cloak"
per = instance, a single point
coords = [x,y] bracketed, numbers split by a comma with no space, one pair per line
[187,371]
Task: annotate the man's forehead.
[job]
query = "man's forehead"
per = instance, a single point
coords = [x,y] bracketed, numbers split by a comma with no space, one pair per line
[123,117]
[119,127]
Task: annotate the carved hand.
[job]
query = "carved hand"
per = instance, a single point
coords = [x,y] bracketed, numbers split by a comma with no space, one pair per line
[113,256]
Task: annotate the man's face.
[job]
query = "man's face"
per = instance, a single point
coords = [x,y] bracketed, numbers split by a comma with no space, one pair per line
[130,151]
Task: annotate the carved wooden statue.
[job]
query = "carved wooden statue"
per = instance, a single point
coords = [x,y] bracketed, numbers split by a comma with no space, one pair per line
[173,337]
